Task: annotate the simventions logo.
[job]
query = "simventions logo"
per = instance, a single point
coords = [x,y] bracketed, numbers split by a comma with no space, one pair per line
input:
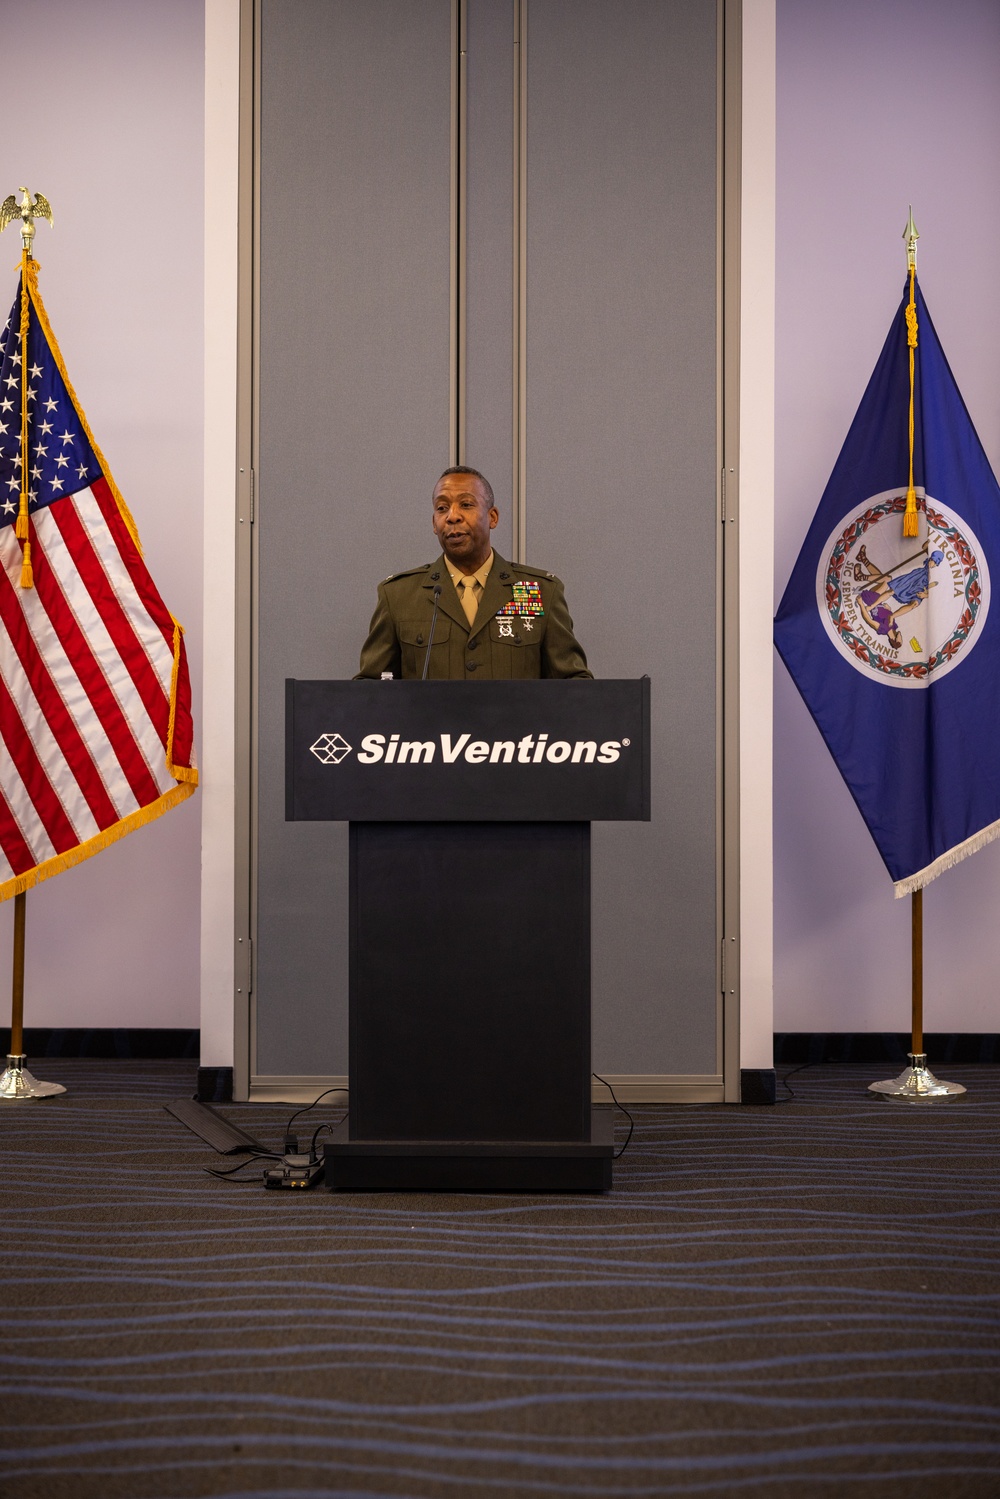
[377,749]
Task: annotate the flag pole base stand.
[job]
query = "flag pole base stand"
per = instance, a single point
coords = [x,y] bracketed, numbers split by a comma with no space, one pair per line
[916,1083]
[17,1082]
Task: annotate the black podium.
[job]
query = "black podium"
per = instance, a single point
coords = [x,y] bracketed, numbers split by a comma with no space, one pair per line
[470,808]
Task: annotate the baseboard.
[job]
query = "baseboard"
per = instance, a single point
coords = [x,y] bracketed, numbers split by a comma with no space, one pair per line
[659,1087]
[799,1048]
[214,1085]
[287,1088]
[757,1085]
[630,1087]
[133,1042]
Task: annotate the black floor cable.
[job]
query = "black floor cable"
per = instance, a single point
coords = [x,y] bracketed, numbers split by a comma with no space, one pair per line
[784,1081]
[321,1127]
[273,1155]
[247,1181]
[305,1109]
[622,1110]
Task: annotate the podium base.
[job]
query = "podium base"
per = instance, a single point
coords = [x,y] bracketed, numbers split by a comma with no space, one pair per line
[472,1166]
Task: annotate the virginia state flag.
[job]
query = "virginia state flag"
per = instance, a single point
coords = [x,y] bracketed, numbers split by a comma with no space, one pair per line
[891,639]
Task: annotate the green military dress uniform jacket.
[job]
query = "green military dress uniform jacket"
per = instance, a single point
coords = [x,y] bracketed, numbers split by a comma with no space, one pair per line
[515,646]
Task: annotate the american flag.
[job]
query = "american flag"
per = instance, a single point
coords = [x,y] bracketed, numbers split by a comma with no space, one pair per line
[95,698]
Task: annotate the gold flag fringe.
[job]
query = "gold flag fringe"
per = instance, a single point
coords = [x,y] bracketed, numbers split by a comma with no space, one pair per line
[179,772]
[914,882]
[138,819]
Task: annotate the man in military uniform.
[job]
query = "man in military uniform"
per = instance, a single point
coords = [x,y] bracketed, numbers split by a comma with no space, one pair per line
[495,619]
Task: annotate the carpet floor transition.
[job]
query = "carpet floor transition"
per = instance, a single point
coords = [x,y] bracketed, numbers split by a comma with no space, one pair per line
[791,1301]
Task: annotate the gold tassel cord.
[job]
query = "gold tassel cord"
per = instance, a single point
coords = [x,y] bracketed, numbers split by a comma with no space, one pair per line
[910,518]
[21,524]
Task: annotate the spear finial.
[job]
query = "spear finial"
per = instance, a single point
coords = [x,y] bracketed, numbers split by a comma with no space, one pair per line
[911,236]
[27,212]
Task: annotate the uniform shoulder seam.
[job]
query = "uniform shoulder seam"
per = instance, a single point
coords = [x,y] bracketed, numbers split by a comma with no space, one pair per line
[409,572]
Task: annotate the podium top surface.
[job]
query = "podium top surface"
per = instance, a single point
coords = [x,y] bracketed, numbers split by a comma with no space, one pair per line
[546,751]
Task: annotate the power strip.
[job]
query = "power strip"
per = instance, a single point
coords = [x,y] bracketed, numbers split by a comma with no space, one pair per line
[294,1171]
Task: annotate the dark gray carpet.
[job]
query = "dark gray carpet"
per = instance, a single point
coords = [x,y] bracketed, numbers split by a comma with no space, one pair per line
[800,1300]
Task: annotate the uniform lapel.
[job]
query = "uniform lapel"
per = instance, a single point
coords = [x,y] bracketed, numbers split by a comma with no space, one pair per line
[496,593]
[451,604]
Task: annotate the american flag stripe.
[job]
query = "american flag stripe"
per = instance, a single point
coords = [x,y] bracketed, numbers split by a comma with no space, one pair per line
[149,603]
[158,646]
[15,855]
[50,756]
[48,695]
[70,690]
[106,649]
[29,787]
[72,653]
[136,570]
[82,555]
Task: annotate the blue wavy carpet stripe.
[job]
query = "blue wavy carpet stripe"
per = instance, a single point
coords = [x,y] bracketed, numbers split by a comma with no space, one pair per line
[791,1301]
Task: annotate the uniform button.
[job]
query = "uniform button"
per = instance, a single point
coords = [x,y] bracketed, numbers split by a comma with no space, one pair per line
[471,665]
[473,645]
[420,640]
[517,639]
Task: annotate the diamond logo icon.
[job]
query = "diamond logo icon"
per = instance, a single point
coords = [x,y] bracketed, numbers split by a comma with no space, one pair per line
[330,748]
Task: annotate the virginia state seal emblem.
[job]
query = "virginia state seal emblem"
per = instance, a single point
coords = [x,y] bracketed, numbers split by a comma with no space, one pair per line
[903,610]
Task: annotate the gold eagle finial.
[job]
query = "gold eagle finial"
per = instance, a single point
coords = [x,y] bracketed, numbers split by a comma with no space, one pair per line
[27,212]
[911,236]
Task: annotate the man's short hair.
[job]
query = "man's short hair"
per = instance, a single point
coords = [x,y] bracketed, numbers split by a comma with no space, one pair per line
[463,468]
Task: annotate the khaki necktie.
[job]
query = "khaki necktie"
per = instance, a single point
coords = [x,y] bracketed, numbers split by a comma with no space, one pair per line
[469,601]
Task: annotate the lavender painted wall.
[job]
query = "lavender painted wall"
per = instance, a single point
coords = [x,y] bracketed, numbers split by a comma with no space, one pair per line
[878,106]
[109,124]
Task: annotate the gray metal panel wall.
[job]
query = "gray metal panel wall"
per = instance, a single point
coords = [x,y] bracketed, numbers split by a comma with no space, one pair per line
[621,466]
[490,251]
[355,305]
[355,161]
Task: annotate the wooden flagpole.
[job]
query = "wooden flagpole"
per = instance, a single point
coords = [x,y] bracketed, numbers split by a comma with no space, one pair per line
[17,985]
[17,1082]
[917,967]
[916,1082]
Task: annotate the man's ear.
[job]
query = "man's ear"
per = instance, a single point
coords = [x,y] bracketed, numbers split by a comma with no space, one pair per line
[494,517]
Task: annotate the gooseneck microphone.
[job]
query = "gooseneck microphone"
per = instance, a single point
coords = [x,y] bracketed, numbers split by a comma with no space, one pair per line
[430,640]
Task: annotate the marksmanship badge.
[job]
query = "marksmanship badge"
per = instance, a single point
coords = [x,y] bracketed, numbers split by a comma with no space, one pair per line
[903,610]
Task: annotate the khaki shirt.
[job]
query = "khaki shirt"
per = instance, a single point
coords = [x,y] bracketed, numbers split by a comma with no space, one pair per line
[515,646]
[479,576]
